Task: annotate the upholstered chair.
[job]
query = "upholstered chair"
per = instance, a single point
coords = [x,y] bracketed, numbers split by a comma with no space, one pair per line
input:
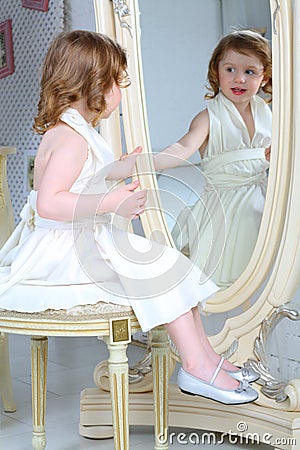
[115,324]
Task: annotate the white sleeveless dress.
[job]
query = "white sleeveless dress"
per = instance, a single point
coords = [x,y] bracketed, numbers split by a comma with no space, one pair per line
[220,230]
[48,264]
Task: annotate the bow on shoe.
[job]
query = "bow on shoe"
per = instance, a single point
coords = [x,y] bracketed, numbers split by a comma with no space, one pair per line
[243,386]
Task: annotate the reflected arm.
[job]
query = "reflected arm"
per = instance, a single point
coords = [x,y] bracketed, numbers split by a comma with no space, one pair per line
[182,150]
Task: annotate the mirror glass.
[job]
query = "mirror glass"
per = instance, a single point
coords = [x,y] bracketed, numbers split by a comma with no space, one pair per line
[177,41]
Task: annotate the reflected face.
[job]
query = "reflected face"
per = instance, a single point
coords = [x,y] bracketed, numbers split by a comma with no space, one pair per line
[240,76]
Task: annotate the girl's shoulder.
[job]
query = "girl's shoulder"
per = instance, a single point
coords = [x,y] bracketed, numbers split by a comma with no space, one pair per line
[202,118]
[201,114]
[62,139]
[63,133]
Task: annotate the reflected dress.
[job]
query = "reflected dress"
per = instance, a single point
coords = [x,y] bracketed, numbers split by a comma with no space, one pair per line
[47,264]
[220,230]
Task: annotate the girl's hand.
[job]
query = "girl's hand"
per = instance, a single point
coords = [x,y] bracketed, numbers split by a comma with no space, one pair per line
[123,167]
[135,152]
[126,202]
[268,153]
[128,160]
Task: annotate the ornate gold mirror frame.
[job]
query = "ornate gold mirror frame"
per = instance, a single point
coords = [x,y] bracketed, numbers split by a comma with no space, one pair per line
[274,268]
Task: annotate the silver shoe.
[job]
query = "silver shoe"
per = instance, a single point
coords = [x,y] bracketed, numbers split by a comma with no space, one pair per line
[191,385]
[244,373]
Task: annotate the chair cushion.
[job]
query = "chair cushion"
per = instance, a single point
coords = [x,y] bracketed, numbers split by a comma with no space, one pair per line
[101,310]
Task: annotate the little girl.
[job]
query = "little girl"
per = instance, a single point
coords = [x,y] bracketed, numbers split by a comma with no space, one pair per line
[66,251]
[233,135]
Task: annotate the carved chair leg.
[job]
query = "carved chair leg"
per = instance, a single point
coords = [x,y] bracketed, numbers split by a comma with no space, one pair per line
[6,389]
[118,375]
[39,355]
[117,344]
[160,366]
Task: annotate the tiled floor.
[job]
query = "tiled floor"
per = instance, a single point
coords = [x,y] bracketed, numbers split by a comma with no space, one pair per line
[70,369]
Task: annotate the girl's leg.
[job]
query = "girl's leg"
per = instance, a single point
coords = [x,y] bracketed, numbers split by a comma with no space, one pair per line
[215,357]
[194,351]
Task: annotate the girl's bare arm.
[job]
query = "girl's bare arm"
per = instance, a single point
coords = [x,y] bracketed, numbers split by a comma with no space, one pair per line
[66,152]
[123,167]
[182,150]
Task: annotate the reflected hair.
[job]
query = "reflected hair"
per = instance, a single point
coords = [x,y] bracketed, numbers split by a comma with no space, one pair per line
[78,64]
[245,42]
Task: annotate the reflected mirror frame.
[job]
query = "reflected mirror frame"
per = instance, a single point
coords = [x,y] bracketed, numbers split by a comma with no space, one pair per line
[137,133]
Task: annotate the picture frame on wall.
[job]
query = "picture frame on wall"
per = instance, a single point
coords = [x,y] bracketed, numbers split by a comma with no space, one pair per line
[28,170]
[6,49]
[40,5]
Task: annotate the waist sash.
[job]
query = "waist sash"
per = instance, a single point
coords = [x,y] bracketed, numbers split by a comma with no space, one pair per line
[213,169]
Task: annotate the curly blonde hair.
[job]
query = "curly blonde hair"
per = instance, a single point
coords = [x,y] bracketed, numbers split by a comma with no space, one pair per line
[78,64]
[245,42]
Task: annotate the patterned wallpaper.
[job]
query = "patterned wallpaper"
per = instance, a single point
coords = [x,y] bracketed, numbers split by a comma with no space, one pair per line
[32,31]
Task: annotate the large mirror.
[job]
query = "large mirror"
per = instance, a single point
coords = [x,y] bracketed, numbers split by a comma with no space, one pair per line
[175,60]
[272,274]
[144,113]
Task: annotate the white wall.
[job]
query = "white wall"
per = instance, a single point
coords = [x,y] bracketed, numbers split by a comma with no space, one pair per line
[177,40]
[246,14]
[79,15]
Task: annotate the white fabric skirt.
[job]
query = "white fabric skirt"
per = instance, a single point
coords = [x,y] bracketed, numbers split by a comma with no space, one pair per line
[58,265]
